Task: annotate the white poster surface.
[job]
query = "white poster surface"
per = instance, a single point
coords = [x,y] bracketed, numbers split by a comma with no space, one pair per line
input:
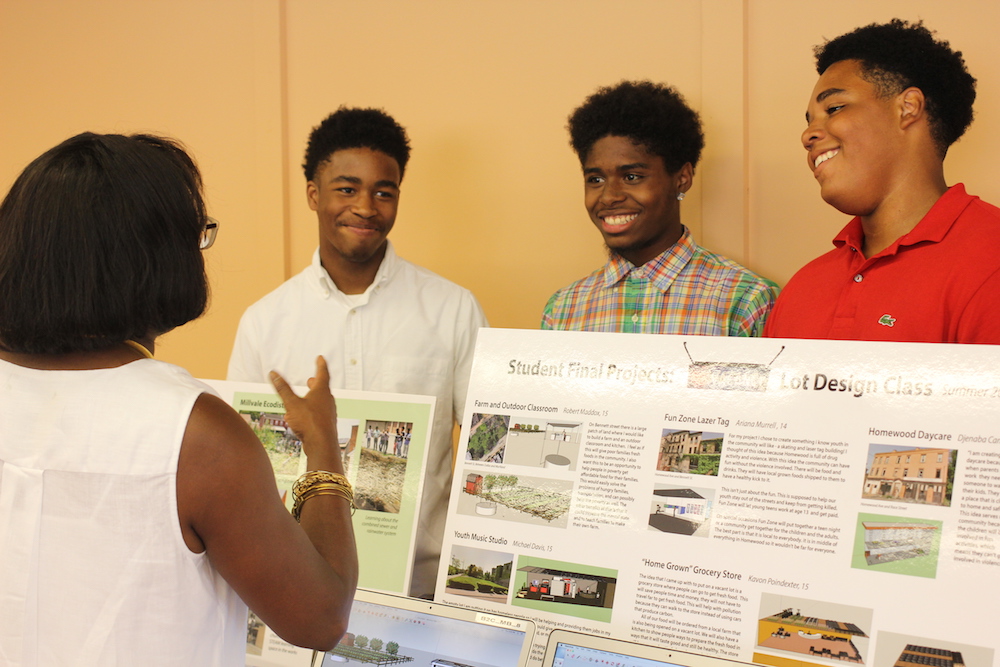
[778,501]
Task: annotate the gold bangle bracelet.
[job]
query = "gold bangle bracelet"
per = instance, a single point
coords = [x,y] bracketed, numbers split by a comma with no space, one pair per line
[320,483]
[327,491]
[338,488]
[317,477]
[300,502]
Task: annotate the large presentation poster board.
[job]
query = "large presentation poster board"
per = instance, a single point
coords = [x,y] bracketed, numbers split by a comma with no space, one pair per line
[784,502]
[384,439]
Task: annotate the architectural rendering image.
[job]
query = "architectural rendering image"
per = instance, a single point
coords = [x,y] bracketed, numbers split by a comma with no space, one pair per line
[543,443]
[564,588]
[897,545]
[887,542]
[681,510]
[905,650]
[791,630]
[515,498]
[695,452]
[928,655]
[567,587]
[487,438]
[369,650]
[811,631]
[910,474]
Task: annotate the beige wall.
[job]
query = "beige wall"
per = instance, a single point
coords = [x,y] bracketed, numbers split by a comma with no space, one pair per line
[790,224]
[204,72]
[492,196]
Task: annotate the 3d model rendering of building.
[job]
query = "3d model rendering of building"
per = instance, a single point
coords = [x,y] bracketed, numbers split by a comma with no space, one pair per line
[474,483]
[359,648]
[551,585]
[680,502]
[508,490]
[556,444]
[887,542]
[919,475]
[914,655]
[789,630]
[678,510]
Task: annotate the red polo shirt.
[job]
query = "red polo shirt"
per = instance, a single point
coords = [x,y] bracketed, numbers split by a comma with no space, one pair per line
[938,283]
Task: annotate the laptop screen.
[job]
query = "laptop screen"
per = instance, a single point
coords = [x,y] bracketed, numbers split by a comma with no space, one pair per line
[390,631]
[569,655]
[571,649]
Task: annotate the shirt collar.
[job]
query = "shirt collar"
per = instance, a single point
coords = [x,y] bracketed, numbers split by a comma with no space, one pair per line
[660,271]
[932,228]
[320,279]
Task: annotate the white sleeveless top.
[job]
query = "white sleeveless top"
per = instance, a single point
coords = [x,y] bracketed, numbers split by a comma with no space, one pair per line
[93,565]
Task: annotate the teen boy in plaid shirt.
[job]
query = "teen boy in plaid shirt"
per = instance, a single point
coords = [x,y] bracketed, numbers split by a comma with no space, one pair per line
[638,144]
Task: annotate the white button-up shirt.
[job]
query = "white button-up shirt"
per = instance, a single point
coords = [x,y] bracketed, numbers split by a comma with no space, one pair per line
[410,332]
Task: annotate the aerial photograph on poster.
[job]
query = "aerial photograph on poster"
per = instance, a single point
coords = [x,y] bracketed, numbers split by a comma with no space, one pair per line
[487,438]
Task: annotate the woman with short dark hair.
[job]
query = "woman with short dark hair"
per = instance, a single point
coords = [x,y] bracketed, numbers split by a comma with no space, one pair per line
[139,511]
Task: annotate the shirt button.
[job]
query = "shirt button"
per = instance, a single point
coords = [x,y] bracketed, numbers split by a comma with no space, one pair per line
[354,362]
[858,278]
[353,312]
[635,318]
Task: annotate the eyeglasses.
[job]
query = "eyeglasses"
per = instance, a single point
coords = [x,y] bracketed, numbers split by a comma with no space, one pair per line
[208,233]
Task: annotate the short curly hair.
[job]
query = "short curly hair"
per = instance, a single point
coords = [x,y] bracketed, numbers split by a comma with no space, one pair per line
[897,55]
[652,115]
[356,128]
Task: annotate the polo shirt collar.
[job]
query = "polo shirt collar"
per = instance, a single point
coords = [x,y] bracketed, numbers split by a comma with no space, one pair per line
[660,271]
[932,228]
[320,279]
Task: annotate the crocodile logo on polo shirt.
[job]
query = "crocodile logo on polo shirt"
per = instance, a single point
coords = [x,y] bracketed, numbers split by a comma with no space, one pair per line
[887,320]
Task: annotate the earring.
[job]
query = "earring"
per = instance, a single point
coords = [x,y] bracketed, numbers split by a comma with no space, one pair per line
[680,196]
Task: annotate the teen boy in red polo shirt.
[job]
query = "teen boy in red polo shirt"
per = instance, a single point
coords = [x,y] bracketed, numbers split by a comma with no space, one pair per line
[921,260]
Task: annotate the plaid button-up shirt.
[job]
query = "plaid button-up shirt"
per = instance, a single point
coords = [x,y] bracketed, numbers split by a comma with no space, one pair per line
[685,290]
